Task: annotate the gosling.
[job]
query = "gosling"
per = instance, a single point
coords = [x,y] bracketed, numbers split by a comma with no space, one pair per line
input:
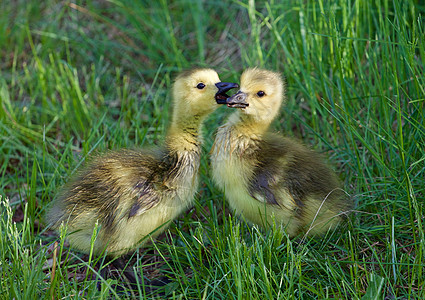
[134,194]
[269,178]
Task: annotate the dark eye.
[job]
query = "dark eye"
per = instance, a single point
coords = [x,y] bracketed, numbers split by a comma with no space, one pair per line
[200,86]
[261,94]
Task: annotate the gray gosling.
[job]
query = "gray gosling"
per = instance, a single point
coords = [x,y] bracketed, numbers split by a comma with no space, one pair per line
[267,177]
[134,194]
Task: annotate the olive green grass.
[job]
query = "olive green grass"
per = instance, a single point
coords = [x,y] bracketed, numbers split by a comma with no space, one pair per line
[79,78]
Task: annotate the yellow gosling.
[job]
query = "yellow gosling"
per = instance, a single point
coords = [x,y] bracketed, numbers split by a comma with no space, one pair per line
[267,177]
[133,194]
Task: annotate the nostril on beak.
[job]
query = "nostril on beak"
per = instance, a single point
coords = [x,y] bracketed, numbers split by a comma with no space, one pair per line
[226,86]
[237,100]
[232,85]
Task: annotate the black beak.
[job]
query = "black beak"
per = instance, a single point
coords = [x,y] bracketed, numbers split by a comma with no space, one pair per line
[223,87]
[238,100]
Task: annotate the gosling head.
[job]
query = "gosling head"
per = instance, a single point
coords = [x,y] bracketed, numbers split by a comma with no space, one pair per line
[198,91]
[260,95]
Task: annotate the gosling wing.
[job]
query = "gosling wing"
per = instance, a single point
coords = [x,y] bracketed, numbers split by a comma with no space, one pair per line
[145,180]
[288,171]
[146,198]
[261,187]
[269,180]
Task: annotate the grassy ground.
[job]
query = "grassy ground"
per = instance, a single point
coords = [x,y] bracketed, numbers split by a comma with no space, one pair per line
[80,77]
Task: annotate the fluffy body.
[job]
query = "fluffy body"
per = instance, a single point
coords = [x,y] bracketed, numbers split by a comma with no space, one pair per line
[134,194]
[270,178]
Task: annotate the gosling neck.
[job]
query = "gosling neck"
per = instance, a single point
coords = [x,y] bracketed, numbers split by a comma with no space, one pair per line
[246,125]
[184,133]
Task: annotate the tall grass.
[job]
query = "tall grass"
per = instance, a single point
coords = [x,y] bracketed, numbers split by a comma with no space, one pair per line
[78,78]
